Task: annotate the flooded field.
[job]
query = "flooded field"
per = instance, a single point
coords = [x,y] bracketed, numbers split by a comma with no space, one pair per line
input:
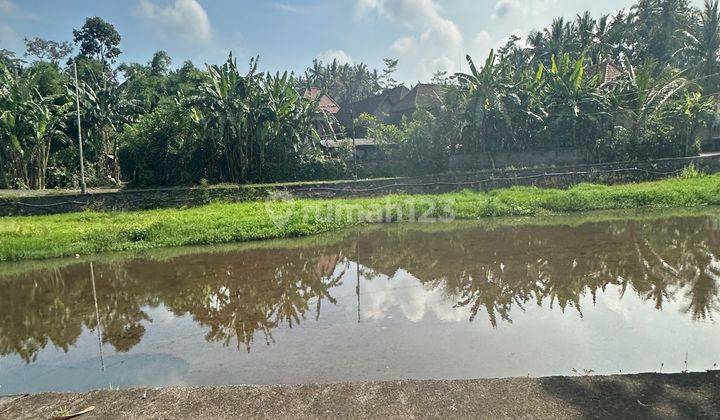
[445,301]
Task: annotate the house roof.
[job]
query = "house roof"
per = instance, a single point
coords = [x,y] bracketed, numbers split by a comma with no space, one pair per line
[420,96]
[370,105]
[395,103]
[608,72]
[326,103]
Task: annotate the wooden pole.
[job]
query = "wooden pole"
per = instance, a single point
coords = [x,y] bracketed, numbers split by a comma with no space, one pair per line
[352,117]
[83,187]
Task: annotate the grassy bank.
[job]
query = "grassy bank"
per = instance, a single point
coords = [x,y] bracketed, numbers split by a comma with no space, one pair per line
[92,232]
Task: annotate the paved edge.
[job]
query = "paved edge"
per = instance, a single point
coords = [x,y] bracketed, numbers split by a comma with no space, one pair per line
[690,395]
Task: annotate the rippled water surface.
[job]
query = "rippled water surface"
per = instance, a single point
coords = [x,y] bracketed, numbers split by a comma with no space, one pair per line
[446,301]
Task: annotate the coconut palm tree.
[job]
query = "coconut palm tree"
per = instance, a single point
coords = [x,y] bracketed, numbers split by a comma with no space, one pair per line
[702,47]
[656,29]
[585,29]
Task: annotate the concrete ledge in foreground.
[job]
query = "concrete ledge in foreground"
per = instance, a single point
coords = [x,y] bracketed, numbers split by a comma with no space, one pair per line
[632,396]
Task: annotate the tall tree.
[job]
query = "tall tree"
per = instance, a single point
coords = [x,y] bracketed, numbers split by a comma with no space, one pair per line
[702,49]
[10,60]
[47,50]
[656,29]
[386,79]
[160,63]
[98,39]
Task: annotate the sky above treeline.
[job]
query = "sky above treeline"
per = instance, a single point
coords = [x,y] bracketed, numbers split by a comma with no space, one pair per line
[425,35]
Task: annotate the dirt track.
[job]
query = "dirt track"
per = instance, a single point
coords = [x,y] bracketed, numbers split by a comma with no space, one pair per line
[637,396]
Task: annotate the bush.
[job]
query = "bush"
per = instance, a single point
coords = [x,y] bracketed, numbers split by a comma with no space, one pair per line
[690,172]
[162,149]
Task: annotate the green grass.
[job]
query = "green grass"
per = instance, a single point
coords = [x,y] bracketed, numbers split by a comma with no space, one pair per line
[86,233]
[10,269]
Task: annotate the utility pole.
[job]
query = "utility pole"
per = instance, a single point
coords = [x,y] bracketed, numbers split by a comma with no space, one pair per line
[352,117]
[83,188]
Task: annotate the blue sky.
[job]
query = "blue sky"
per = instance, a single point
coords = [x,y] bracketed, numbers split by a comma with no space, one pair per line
[426,35]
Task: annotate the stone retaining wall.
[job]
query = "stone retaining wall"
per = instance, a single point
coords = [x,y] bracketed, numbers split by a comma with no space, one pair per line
[533,158]
[560,177]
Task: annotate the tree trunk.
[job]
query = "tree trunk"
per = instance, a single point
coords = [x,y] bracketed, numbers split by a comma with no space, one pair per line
[490,158]
[116,168]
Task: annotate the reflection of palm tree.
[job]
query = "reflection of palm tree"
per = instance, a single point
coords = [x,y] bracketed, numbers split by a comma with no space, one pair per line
[270,289]
[513,266]
[240,295]
[703,294]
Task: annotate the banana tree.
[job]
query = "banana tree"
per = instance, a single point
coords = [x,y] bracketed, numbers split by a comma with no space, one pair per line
[489,98]
[29,123]
[253,120]
[575,106]
[224,104]
[48,125]
[16,97]
[106,108]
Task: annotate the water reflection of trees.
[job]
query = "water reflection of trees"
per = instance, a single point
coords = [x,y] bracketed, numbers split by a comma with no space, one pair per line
[239,296]
[257,292]
[512,267]
[234,295]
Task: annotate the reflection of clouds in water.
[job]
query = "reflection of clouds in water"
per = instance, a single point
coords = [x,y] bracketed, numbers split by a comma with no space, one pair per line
[713,268]
[160,314]
[381,294]
[216,301]
[612,299]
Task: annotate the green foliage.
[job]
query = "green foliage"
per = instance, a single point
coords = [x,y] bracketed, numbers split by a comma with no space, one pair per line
[547,94]
[98,38]
[256,121]
[346,83]
[691,172]
[162,148]
[44,49]
[29,125]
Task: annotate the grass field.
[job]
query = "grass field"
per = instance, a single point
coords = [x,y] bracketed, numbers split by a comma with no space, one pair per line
[87,233]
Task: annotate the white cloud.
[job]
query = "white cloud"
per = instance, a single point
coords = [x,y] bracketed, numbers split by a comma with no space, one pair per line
[503,8]
[539,11]
[481,45]
[6,6]
[185,18]
[341,56]
[436,44]
[408,12]
[383,294]
[8,37]
[289,8]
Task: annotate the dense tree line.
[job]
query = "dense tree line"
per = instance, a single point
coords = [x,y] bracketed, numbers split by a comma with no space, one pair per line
[548,92]
[155,124]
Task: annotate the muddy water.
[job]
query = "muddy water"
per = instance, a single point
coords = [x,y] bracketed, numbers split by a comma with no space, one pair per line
[445,301]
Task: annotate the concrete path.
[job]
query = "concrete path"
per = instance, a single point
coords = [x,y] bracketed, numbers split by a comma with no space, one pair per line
[639,396]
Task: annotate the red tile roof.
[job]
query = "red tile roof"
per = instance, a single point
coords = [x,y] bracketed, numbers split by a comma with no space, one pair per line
[608,72]
[327,103]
